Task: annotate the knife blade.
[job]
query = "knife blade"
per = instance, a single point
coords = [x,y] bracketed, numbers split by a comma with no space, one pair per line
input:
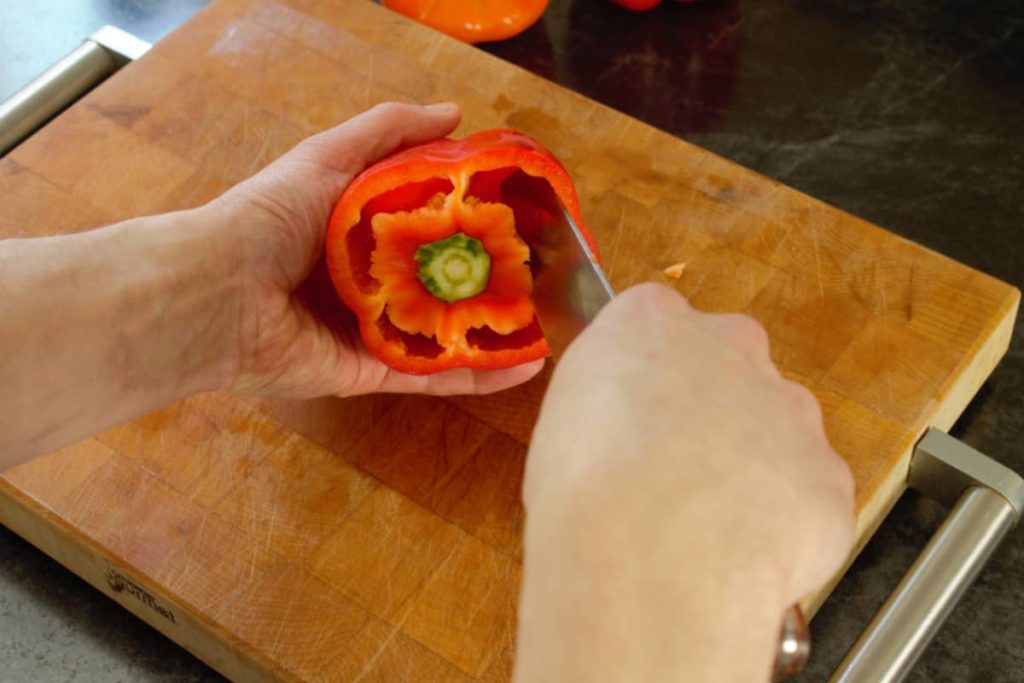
[569,287]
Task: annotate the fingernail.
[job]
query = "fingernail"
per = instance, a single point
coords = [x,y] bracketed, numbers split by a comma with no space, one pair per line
[443,108]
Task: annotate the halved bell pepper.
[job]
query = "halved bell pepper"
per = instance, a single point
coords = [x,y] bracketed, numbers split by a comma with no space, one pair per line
[427,248]
[473,21]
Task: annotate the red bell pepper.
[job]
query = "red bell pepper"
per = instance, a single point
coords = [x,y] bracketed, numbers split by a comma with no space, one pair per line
[638,5]
[473,21]
[426,248]
[642,5]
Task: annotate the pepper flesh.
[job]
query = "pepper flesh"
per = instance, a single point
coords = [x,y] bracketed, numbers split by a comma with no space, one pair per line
[473,21]
[398,214]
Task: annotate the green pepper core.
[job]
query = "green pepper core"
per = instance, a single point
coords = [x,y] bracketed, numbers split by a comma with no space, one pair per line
[454,268]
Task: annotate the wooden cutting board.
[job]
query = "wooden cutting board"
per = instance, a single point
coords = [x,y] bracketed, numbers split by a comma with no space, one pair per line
[379,538]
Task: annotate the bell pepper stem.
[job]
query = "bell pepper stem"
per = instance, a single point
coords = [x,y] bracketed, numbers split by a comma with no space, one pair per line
[454,268]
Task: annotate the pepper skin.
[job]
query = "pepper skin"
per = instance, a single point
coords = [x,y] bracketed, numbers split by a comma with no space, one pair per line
[638,5]
[426,248]
[643,5]
[473,21]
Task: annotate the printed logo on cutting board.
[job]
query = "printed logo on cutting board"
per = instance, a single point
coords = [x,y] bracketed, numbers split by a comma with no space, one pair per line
[119,583]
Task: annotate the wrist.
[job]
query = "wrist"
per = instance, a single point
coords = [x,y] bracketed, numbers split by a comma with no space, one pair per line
[132,317]
[182,299]
[678,601]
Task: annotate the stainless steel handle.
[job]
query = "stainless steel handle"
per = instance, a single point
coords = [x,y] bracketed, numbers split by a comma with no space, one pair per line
[99,56]
[988,500]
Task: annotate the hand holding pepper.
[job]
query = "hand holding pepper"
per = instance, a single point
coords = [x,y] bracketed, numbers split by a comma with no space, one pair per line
[225,296]
[279,216]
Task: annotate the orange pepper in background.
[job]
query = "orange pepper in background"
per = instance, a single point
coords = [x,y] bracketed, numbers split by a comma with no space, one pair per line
[426,248]
[473,21]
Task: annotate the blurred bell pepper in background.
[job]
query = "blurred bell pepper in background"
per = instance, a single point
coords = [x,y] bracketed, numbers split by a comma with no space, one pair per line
[638,5]
[641,5]
[473,21]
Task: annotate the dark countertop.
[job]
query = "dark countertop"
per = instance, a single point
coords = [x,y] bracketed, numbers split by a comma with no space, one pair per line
[908,113]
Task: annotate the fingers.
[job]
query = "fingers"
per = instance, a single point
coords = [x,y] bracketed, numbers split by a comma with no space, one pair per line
[829,533]
[498,380]
[644,301]
[656,309]
[460,381]
[743,333]
[634,317]
[828,496]
[372,135]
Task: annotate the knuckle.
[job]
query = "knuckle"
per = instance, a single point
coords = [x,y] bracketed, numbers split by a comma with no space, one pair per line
[846,483]
[804,399]
[388,108]
[644,304]
[839,489]
[653,293]
[746,332]
[837,480]
[752,331]
[389,113]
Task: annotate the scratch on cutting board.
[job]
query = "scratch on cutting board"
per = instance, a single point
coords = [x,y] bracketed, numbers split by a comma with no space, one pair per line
[283,619]
[255,523]
[325,637]
[191,547]
[782,242]
[586,117]
[281,623]
[670,249]
[484,600]
[619,229]
[252,562]
[430,54]
[226,43]
[258,158]
[270,525]
[888,384]
[372,662]
[122,548]
[245,121]
[86,504]
[817,261]
[369,80]
[751,287]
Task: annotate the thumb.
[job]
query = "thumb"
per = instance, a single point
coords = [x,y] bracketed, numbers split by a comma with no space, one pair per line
[364,139]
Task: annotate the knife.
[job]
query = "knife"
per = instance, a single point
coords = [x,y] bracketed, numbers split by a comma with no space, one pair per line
[569,287]
[569,290]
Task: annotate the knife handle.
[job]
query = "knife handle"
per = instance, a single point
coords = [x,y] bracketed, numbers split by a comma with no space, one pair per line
[794,645]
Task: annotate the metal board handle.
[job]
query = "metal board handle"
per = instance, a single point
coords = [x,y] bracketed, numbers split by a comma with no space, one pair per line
[988,499]
[98,57]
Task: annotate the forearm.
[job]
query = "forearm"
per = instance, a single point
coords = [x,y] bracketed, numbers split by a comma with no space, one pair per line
[107,325]
[606,600]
